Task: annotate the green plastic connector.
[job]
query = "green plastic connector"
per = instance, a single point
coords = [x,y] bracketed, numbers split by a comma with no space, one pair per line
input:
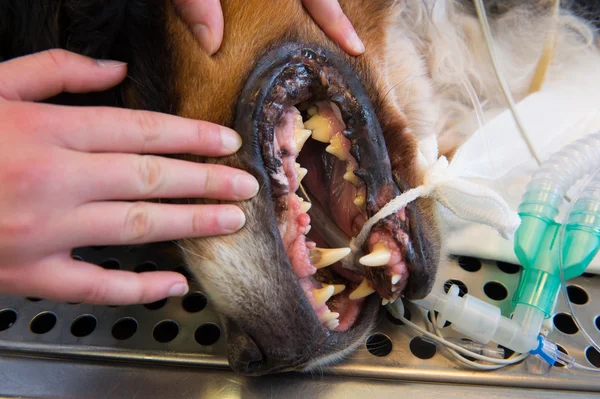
[537,248]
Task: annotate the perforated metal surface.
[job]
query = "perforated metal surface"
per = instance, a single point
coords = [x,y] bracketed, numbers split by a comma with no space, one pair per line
[168,334]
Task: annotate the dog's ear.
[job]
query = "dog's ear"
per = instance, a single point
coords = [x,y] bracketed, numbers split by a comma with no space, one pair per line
[132,31]
[27,27]
[88,27]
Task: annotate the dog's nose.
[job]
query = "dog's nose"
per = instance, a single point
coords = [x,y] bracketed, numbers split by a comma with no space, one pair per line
[244,355]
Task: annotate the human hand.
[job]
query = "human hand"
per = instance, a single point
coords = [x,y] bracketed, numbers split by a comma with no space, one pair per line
[205,19]
[67,173]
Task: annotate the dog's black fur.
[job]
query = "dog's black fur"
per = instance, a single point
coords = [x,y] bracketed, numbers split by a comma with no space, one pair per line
[133,31]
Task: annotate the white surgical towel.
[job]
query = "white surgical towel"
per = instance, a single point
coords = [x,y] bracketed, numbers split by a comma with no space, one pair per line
[497,157]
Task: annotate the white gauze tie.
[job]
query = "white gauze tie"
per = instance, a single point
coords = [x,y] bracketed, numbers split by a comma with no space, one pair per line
[466,200]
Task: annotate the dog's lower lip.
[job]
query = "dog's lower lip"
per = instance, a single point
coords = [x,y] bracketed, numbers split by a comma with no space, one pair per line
[291,75]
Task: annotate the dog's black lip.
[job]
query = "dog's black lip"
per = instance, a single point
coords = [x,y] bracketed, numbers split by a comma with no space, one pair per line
[367,143]
[359,116]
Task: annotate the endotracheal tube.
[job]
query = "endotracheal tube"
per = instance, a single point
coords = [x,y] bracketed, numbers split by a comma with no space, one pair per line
[550,254]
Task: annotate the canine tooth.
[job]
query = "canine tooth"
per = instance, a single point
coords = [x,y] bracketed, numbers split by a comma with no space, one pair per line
[349,176]
[312,111]
[307,229]
[360,201]
[323,257]
[394,289]
[363,290]
[300,171]
[380,256]
[336,149]
[300,137]
[385,301]
[322,295]
[332,324]
[337,288]
[321,130]
[305,206]
[396,278]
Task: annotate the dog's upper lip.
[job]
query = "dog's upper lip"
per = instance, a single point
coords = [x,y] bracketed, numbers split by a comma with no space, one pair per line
[293,61]
[256,126]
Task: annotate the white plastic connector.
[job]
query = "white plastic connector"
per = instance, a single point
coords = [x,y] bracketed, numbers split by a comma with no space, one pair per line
[483,322]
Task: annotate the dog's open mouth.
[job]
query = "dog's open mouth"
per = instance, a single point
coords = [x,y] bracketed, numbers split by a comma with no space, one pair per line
[323,149]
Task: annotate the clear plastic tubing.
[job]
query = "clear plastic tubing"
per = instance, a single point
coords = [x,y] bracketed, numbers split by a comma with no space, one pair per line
[536,240]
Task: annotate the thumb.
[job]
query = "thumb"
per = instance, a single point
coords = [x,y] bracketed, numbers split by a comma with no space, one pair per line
[42,75]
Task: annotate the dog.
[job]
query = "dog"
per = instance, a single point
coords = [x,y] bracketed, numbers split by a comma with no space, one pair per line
[319,127]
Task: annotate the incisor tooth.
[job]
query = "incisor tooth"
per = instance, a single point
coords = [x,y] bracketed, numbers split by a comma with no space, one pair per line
[349,176]
[305,206]
[379,256]
[323,257]
[322,295]
[363,290]
[337,149]
[300,171]
[385,301]
[332,324]
[360,201]
[298,122]
[337,288]
[307,229]
[321,129]
[328,316]
[300,137]
[396,278]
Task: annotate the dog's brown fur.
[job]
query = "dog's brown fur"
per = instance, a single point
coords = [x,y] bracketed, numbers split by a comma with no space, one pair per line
[404,71]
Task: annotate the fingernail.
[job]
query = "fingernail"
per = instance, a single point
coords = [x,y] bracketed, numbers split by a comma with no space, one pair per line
[245,186]
[110,63]
[205,37]
[231,221]
[179,289]
[355,43]
[230,140]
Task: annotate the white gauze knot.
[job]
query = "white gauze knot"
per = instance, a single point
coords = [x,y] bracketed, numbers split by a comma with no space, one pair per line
[466,200]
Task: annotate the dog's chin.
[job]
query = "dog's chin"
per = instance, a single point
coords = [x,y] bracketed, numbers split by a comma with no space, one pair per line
[315,139]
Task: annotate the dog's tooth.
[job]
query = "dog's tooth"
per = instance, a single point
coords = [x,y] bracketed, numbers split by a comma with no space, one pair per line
[332,324]
[300,137]
[337,288]
[298,122]
[394,289]
[396,278]
[328,316]
[323,257]
[300,171]
[312,111]
[305,206]
[385,301]
[360,201]
[350,177]
[322,295]
[363,290]
[307,230]
[379,256]
[337,149]
[321,129]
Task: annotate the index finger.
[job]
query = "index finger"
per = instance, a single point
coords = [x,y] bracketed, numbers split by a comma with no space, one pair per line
[331,19]
[105,129]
